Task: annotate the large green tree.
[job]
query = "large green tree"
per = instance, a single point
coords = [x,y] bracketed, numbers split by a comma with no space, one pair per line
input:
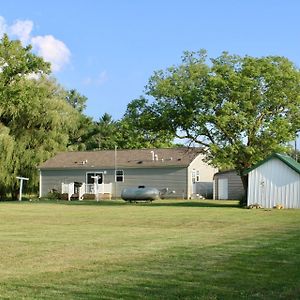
[76,100]
[103,134]
[126,133]
[35,118]
[85,129]
[134,133]
[239,109]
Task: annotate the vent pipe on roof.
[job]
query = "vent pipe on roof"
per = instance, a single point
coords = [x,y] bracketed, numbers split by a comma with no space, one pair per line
[152,153]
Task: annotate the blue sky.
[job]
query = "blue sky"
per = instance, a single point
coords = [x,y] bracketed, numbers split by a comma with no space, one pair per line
[107,50]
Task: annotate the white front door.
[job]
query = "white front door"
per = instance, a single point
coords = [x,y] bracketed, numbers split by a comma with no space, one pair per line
[223,188]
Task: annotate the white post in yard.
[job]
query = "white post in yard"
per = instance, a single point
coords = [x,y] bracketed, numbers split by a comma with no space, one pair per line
[103,187]
[21,186]
[96,178]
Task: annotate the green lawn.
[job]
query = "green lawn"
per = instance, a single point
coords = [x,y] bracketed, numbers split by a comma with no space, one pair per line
[164,250]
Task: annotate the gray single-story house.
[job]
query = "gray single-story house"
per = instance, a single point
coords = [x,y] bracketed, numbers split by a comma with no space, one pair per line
[228,185]
[177,172]
[275,181]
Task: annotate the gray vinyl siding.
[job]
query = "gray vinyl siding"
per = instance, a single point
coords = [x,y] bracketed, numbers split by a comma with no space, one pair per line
[235,185]
[172,178]
[52,179]
[175,179]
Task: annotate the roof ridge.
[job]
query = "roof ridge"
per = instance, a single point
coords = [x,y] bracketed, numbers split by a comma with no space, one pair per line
[145,149]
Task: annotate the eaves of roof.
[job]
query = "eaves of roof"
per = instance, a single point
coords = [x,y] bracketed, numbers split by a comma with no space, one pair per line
[87,167]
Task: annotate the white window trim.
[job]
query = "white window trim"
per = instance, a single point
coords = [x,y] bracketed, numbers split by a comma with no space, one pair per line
[92,172]
[123,175]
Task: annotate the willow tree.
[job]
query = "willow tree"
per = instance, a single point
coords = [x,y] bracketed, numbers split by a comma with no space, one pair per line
[239,109]
[35,118]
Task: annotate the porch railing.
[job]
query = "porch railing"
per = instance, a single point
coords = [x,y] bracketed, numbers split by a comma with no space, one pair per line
[102,188]
[69,188]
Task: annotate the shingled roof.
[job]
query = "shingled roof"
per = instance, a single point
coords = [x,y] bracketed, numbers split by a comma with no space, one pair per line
[137,158]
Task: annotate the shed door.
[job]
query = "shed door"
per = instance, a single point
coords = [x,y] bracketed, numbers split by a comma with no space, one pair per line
[223,188]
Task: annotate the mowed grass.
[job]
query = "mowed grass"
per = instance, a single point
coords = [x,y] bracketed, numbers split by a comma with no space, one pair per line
[164,250]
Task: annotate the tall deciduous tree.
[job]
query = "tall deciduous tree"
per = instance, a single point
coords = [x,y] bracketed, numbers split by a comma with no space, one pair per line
[134,133]
[240,109]
[76,100]
[35,119]
[79,138]
[103,134]
[127,133]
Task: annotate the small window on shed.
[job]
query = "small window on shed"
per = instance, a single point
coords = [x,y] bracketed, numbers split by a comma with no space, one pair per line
[119,175]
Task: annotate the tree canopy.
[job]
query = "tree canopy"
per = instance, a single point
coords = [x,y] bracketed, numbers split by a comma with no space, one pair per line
[134,133]
[239,109]
[35,119]
[76,100]
[125,133]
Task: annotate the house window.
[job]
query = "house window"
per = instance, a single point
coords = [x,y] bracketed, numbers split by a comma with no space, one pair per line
[91,180]
[119,175]
[193,176]
[198,176]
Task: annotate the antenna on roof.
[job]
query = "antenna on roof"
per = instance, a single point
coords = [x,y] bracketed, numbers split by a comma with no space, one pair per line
[152,153]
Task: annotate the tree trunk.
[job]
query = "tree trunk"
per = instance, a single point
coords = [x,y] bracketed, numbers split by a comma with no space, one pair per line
[14,194]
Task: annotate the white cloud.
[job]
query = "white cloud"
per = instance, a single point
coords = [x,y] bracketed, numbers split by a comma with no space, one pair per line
[47,46]
[52,50]
[3,26]
[99,80]
[87,81]
[22,30]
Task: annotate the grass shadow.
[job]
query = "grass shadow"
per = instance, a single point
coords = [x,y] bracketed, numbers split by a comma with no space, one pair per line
[81,203]
[157,203]
[197,203]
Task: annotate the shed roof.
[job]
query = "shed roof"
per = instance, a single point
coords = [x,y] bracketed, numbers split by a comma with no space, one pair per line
[289,161]
[137,158]
[226,172]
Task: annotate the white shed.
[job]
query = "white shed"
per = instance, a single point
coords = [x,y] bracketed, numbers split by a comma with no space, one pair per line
[275,181]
